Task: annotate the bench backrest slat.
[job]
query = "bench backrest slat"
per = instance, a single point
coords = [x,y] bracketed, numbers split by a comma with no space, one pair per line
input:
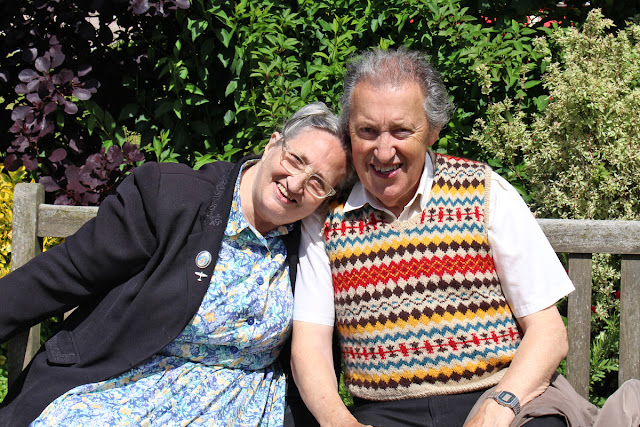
[63,221]
[579,238]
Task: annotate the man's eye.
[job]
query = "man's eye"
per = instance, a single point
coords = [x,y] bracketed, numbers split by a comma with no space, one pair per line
[366,132]
[402,133]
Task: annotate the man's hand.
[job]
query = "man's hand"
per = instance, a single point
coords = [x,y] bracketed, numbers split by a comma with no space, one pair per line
[491,414]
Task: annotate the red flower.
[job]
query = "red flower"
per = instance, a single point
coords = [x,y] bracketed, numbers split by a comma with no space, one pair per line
[593,309]
[617,294]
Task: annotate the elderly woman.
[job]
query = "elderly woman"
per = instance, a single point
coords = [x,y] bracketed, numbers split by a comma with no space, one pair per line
[183,284]
[435,273]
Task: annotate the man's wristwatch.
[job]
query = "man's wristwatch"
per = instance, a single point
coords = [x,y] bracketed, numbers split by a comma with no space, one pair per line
[506,398]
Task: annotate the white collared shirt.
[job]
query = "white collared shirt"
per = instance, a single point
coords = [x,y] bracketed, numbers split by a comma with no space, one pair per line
[531,275]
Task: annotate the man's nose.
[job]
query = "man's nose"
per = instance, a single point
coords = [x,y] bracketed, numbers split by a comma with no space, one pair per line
[385,150]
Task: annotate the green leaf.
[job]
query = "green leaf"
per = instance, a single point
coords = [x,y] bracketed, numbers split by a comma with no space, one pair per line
[91,124]
[177,108]
[224,36]
[306,89]
[231,87]
[109,123]
[228,117]
[128,111]
[531,83]
[163,108]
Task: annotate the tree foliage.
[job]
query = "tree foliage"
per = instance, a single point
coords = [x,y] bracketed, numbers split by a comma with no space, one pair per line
[582,153]
[94,88]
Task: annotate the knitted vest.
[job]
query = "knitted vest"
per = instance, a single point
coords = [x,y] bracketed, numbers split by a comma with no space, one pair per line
[419,307]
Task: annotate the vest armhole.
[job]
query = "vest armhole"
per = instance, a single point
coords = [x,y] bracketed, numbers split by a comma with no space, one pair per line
[487,197]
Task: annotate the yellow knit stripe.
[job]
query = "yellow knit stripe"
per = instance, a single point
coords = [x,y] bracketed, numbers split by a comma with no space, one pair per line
[350,331]
[446,189]
[357,250]
[447,371]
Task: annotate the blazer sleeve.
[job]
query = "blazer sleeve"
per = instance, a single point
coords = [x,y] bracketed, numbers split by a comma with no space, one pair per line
[105,252]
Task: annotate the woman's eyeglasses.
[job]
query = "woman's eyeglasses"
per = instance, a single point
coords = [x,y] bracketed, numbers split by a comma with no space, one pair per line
[293,164]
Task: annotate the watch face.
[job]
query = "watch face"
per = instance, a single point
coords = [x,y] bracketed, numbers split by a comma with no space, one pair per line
[506,397]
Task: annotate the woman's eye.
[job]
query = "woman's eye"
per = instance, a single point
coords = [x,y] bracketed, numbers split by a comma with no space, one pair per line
[297,160]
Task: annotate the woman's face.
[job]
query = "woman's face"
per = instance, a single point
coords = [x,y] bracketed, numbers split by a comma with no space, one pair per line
[390,136]
[277,197]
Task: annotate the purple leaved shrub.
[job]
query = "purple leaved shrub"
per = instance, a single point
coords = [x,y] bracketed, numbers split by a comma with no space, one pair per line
[58,66]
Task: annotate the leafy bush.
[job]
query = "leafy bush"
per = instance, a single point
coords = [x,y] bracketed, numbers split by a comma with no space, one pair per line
[582,153]
[210,80]
[7,183]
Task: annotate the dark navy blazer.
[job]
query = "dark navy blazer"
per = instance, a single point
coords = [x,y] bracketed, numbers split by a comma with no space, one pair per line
[131,273]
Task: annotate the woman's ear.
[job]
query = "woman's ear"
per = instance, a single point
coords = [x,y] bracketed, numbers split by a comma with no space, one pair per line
[275,136]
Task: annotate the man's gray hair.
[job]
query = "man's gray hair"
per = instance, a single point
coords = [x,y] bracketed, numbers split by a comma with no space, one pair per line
[394,68]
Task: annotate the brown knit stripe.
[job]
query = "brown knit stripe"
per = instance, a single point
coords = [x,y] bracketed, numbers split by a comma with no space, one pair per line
[430,290]
[430,376]
[386,298]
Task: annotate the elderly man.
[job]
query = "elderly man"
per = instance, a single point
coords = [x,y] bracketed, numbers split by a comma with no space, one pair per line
[433,270]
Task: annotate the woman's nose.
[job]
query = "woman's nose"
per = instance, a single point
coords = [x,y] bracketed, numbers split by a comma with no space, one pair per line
[296,183]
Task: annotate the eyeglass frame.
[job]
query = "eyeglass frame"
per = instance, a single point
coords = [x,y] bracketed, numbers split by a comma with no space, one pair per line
[287,150]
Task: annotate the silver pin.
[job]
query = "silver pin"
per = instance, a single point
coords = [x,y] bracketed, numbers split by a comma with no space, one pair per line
[200,275]
[203,259]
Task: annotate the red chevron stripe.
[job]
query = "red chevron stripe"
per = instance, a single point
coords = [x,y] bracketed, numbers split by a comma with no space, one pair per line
[412,268]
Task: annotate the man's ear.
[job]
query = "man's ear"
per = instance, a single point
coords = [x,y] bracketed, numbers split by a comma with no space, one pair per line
[275,136]
[432,138]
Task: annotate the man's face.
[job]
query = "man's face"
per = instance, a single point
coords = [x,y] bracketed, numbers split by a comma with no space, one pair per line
[390,137]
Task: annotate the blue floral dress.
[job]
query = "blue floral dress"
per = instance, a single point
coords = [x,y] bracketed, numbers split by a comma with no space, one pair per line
[220,370]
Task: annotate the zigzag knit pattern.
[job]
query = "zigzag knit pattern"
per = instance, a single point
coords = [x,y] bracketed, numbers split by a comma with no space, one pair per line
[419,307]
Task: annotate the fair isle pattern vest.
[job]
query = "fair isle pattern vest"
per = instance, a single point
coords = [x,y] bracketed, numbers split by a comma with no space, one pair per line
[419,307]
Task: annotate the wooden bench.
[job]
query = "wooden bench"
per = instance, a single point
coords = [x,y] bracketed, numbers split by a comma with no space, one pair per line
[32,219]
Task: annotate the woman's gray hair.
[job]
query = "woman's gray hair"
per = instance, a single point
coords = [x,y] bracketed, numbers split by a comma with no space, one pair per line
[317,115]
[394,68]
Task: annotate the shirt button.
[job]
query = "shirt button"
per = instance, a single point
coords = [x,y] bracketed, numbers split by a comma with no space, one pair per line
[250,321]
[260,280]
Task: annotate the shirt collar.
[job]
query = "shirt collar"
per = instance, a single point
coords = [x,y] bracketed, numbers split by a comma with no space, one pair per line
[360,196]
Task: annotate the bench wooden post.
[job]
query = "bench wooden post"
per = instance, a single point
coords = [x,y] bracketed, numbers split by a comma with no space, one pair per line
[579,323]
[25,245]
[630,321]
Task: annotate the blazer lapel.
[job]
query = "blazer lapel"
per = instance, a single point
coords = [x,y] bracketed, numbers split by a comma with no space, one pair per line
[202,248]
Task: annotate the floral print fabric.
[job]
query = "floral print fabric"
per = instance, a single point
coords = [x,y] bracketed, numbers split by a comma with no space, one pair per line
[220,370]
